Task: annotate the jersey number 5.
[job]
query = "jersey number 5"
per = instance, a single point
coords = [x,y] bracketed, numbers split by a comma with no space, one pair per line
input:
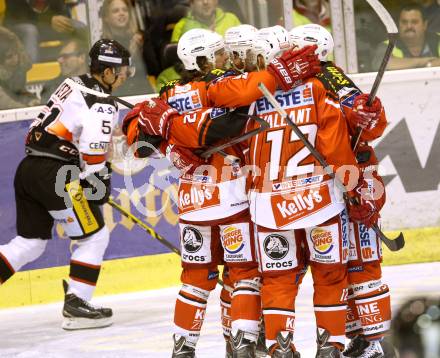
[292,166]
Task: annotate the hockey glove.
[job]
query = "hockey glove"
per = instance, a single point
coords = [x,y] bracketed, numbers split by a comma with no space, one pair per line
[294,66]
[131,115]
[183,158]
[366,116]
[154,117]
[368,198]
[97,187]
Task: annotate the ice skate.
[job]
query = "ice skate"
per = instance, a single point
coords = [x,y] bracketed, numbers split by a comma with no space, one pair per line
[355,347]
[261,351]
[242,347]
[373,350]
[325,349]
[80,314]
[181,349]
[284,347]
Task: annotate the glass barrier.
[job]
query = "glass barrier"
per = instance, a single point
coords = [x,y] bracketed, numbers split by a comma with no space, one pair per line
[418,43]
[42,42]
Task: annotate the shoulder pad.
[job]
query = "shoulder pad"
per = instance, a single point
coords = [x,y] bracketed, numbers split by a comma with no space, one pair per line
[334,79]
[225,74]
[214,74]
[167,86]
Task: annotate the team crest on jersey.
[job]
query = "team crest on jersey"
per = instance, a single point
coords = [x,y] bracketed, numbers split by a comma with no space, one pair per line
[232,238]
[297,97]
[192,239]
[276,246]
[322,240]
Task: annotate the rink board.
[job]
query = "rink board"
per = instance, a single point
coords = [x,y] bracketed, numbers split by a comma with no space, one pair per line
[408,154]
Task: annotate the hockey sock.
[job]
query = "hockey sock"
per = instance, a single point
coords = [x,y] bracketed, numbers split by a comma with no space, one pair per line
[85,264]
[189,312]
[353,325]
[246,308]
[373,307]
[278,295]
[17,253]
[330,302]
[225,307]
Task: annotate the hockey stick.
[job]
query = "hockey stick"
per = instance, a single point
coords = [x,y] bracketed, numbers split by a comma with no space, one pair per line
[148,229]
[392,32]
[144,226]
[393,244]
[85,89]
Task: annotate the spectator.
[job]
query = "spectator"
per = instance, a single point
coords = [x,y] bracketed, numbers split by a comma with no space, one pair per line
[159,25]
[118,23]
[431,10]
[14,63]
[39,20]
[73,62]
[207,15]
[311,11]
[415,47]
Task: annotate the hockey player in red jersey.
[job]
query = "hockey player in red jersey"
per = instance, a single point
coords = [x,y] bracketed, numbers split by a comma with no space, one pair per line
[279,284]
[278,248]
[65,178]
[366,288]
[223,214]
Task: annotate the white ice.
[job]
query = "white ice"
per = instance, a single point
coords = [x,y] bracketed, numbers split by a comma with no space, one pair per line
[143,322]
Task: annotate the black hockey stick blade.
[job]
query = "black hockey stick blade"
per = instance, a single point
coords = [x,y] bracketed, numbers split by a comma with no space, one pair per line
[263,126]
[393,244]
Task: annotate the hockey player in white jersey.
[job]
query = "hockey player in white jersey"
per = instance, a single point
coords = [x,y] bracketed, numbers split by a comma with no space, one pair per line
[65,178]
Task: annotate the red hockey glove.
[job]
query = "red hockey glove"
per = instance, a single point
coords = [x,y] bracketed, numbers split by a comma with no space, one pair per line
[133,114]
[154,117]
[183,158]
[369,194]
[365,116]
[293,66]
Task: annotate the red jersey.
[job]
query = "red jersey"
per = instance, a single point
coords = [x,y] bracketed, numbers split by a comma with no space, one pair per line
[288,188]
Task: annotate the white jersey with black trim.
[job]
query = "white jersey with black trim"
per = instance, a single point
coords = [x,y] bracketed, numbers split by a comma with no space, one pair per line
[85,120]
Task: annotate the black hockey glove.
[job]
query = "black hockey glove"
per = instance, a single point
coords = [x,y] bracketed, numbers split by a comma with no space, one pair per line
[97,186]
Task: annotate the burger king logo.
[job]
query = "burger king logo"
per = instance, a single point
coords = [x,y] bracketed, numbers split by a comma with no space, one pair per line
[232,238]
[322,240]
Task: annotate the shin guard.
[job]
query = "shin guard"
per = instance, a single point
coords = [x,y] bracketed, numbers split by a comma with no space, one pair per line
[330,303]
[189,313]
[373,306]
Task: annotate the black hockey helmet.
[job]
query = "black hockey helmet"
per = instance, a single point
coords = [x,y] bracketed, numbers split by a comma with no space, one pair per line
[109,53]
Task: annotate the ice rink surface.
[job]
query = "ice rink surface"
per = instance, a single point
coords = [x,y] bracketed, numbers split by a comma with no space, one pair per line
[143,322]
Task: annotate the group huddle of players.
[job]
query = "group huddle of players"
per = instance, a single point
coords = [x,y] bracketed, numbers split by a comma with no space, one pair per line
[263,207]
[261,204]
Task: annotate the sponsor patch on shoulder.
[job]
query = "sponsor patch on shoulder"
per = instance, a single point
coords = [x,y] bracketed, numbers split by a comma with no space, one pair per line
[348,99]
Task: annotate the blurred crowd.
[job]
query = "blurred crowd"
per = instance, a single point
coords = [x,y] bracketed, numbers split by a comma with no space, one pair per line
[44,41]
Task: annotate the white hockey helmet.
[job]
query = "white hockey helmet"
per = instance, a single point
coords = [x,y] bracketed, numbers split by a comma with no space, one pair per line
[240,39]
[313,34]
[198,43]
[272,42]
